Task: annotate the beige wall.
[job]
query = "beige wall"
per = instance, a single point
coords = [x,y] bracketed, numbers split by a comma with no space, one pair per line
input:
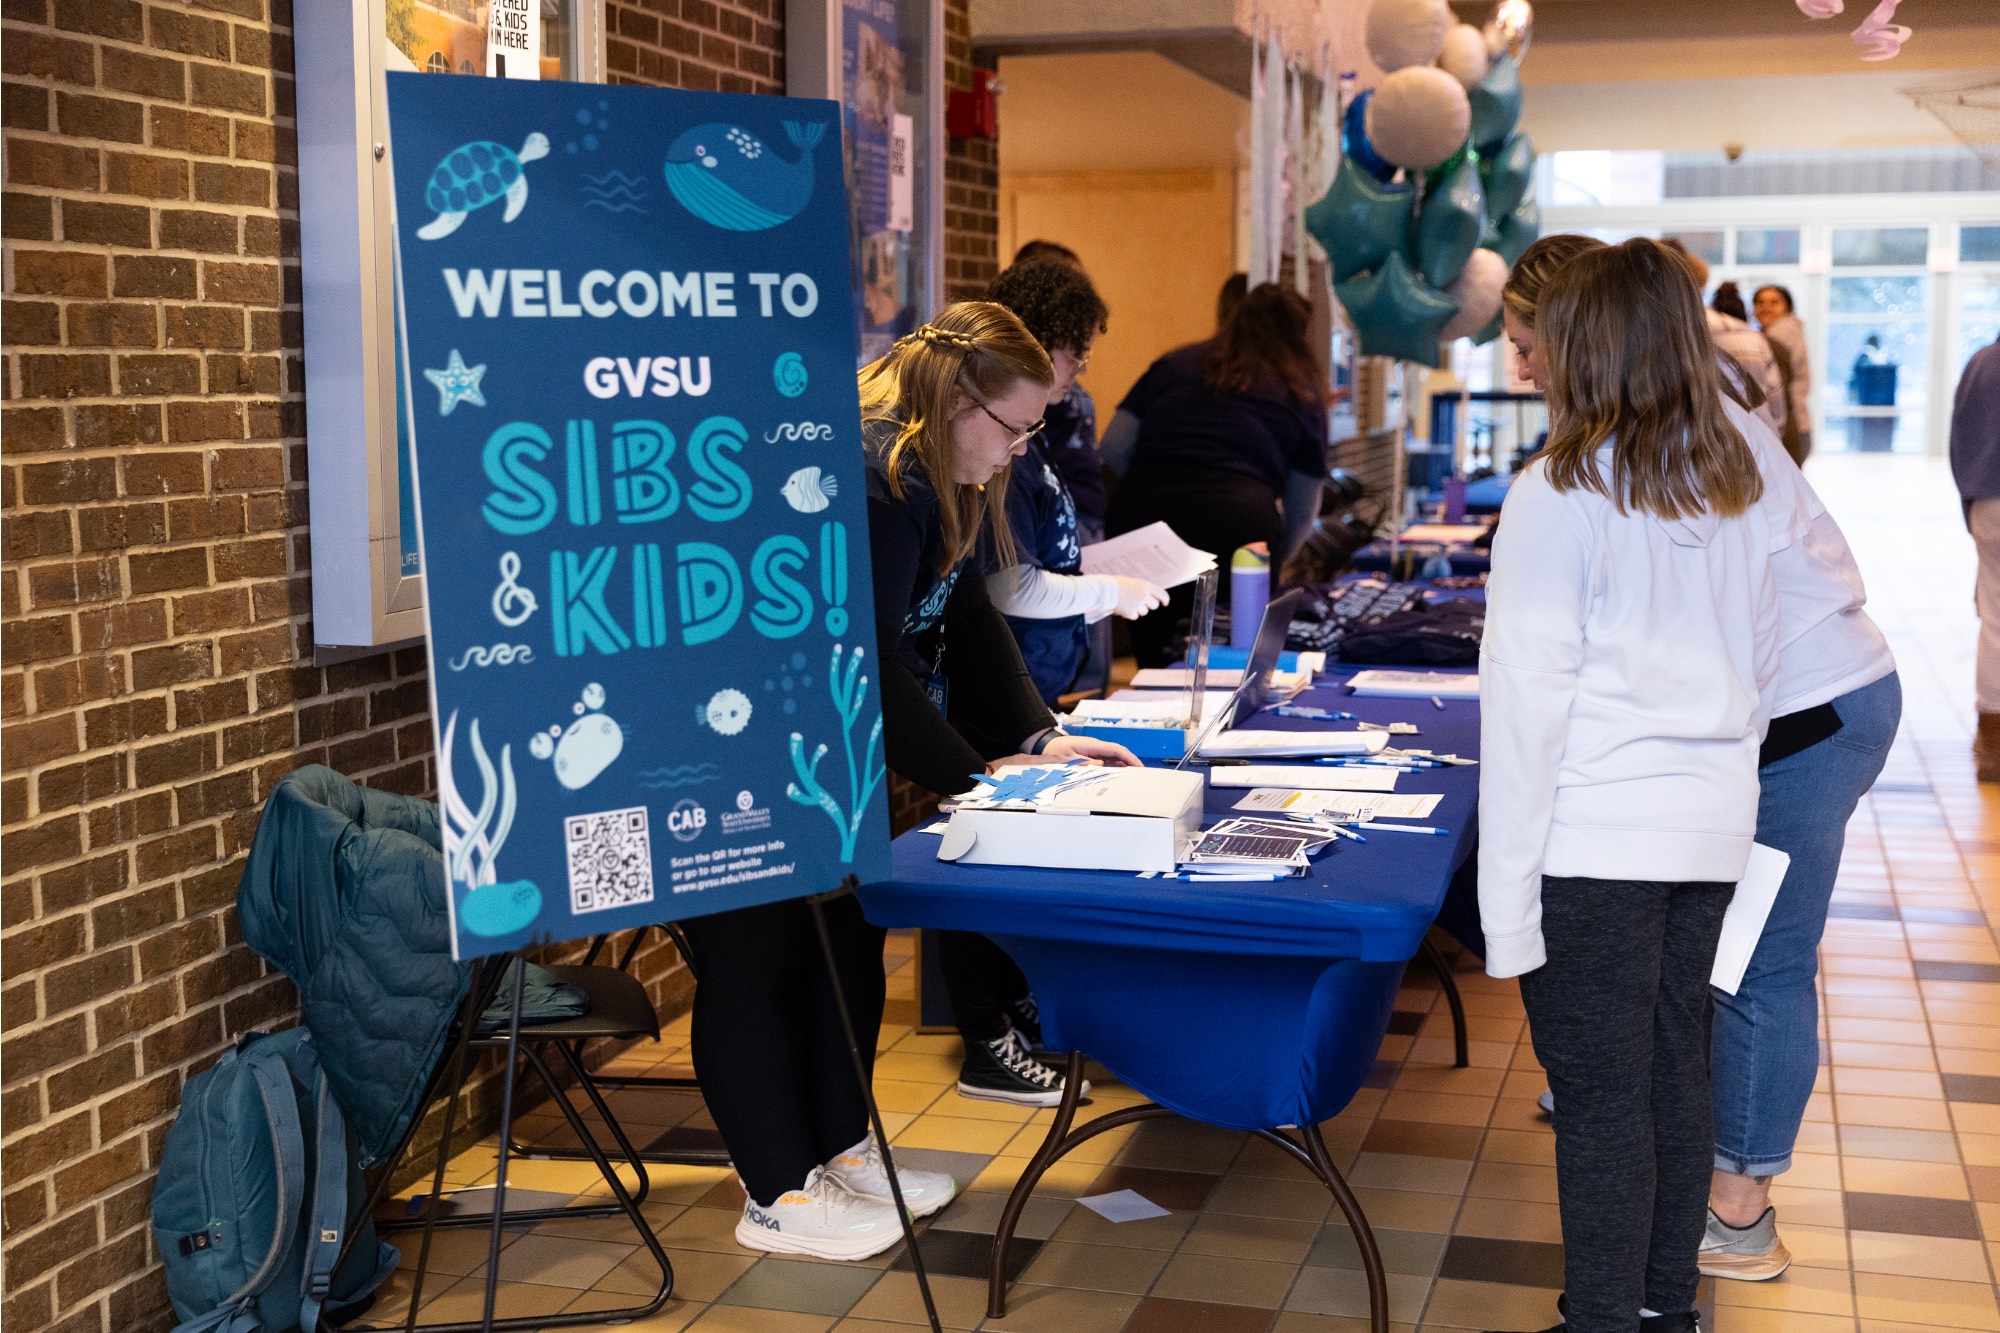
[1131,161]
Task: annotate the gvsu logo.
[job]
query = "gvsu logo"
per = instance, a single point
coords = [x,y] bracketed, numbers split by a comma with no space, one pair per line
[686,820]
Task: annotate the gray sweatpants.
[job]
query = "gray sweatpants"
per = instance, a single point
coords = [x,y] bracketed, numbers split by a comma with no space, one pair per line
[1619,1016]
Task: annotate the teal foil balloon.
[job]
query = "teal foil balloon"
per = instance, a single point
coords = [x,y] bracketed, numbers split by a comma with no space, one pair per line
[1518,230]
[1359,220]
[1450,223]
[1394,313]
[1507,174]
[1491,331]
[1496,105]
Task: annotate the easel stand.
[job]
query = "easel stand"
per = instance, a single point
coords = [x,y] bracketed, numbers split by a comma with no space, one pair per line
[818,904]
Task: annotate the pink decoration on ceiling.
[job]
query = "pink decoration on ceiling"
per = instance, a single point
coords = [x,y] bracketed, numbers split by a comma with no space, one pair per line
[1878,38]
[1821,9]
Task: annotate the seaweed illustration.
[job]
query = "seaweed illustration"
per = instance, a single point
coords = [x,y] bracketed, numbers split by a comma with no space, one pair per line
[864,773]
[472,842]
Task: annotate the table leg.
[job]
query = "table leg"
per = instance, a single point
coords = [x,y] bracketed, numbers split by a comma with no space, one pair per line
[1364,1235]
[1442,966]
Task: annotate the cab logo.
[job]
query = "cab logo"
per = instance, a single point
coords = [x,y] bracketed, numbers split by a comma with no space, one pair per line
[686,820]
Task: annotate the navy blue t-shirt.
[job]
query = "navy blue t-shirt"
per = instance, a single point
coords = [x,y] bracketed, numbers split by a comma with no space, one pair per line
[1185,425]
[1042,518]
[1071,438]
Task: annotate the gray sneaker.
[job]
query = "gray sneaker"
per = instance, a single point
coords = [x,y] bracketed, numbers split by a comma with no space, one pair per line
[1748,1254]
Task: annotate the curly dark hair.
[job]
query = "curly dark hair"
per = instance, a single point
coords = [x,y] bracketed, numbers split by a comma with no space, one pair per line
[1055,301]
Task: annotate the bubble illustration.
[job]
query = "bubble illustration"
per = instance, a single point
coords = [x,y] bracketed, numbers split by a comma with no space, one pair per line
[789,373]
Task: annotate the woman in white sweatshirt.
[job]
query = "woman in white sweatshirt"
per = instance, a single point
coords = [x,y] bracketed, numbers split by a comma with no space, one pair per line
[1631,643]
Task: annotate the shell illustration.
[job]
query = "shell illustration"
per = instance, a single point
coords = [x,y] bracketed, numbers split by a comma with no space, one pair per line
[729,178]
[728,712]
[472,176]
[809,490]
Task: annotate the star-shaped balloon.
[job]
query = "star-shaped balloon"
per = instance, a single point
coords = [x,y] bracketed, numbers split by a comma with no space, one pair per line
[457,383]
[1507,174]
[1496,105]
[1518,230]
[1394,313]
[1359,220]
[1449,225]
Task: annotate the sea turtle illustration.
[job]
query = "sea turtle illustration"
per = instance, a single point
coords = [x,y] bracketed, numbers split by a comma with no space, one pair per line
[472,176]
[727,176]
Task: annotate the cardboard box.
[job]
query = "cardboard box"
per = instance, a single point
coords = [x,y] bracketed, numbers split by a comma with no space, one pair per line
[1089,819]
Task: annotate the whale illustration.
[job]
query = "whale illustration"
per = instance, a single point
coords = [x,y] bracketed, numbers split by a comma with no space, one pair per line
[729,178]
[500,909]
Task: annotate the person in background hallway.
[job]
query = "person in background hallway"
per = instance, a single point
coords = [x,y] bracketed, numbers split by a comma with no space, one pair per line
[943,415]
[1625,680]
[1780,323]
[1743,345]
[1836,705]
[1728,300]
[1975,465]
[1049,602]
[1225,441]
[1234,287]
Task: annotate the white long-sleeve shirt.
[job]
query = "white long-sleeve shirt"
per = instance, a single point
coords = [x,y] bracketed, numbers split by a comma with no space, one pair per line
[1625,684]
[1034,593]
[1827,644]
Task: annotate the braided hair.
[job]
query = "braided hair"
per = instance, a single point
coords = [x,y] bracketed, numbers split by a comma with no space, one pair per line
[973,347]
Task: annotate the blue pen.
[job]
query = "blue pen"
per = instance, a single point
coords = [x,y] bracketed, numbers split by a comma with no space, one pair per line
[1409,828]
[1309,712]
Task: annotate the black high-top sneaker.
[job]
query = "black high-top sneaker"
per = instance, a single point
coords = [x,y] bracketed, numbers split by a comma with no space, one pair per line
[1003,1070]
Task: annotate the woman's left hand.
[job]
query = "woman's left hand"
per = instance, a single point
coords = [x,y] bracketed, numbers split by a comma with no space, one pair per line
[1109,753]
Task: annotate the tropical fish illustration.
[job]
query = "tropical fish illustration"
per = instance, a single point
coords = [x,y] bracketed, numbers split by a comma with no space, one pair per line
[809,490]
[727,176]
[472,176]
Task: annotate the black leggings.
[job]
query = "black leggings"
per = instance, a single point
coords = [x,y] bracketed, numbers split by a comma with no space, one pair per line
[768,1048]
[982,982]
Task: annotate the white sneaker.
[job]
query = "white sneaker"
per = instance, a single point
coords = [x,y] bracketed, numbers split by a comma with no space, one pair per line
[860,1171]
[824,1219]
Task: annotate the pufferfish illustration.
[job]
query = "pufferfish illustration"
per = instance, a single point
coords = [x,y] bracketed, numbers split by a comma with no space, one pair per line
[728,711]
[809,490]
[727,176]
[472,176]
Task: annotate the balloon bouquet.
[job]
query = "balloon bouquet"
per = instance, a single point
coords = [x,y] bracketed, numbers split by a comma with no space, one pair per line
[1430,206]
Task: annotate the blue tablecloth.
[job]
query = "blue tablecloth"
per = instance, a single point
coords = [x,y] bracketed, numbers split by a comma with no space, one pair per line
[1244,1004]
[1375,557]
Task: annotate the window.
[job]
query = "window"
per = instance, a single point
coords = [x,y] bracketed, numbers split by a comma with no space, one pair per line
[437,64]
[1767,245]
[1867,247]
[1979,244]
[1874,386]
[1706,246]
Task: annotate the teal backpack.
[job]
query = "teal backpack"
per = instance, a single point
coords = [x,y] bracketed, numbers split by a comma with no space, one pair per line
[255,1196]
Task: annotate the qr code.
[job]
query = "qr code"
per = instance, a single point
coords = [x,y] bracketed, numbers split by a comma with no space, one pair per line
[610,860]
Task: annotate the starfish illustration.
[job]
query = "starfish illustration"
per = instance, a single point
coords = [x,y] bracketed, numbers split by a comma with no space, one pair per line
[457,383]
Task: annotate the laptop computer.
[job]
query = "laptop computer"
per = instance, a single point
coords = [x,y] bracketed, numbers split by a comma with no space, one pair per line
[1254,693]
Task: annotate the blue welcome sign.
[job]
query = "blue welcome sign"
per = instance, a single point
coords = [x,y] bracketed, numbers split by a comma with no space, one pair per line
[629,340]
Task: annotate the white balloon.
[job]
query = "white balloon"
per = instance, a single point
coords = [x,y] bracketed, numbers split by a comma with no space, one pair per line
[1402,33]
[1418,117]
[1514,25]
[1465,56]
[1477,290]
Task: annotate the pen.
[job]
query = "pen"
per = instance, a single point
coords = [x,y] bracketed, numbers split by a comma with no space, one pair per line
[1345,832]
[1407,828]
[1437,703]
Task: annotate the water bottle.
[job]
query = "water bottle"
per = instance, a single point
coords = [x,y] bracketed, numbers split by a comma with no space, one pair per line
[1249,592]
[1454,499]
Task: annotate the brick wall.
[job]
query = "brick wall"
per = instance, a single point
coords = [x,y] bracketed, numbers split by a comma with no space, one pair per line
[155,649]
[971,178]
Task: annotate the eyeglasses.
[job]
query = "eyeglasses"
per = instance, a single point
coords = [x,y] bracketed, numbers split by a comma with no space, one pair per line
[1017,432]
[1081,360]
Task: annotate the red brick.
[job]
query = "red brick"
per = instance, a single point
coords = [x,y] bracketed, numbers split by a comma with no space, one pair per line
[146,1101]
[111,528]
[209,703]
[121,626]
[257,648]
[228,89]
[86,981]
[222,795]
[162,570]
[147,75]
[207,612]
[159,375]
[64,376]
[28,1257]
[247,468]
[188,34]
[137,913]
[58,839]
[117,324]
[217,183]
[81,116]
[57,166]
[186,229]
[70,582]
[175,664]
[245,374]
[23,1208]
[25,745]
[59,273]
[37,1051]
[85,680]
[117,425]
[173,761]
[210,327]
[124,722]
[167,276]
[245,284]
[176,472]
[27,217]
[43,944]
[176,129]
[176,853]
[189,423]
[23,107]
[36,533]
[180,1042]
[70,481]
[147,175]
[32,323]
[101,18]
[135,1010]
[98,1174]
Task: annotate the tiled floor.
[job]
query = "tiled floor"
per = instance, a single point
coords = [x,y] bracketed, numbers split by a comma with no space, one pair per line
[1893,1208]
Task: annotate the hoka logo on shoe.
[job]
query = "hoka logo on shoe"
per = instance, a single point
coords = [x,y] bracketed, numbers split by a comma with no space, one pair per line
[760,1218]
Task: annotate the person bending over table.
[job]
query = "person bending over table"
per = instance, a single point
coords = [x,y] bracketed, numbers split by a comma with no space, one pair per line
[1835,707]
[1047,599]
[1632,632]
[943,414]
[1226,441]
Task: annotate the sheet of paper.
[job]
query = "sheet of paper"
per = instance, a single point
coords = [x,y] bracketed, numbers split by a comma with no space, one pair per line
[1317,777]
[1224,678]
[1416,684]
[1743,923]
[1446,534]
[1247,743]
[1340,804]
[1122,1206]
[1147,707]
[1154,553]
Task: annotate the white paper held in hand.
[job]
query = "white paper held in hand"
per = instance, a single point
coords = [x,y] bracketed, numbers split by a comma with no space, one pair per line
[1743,923]
[1154,553]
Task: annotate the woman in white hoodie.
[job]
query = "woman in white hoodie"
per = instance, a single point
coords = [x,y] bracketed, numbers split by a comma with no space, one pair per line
[1631,643]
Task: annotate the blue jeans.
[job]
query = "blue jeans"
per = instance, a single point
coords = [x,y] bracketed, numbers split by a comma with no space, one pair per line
[1765,1038]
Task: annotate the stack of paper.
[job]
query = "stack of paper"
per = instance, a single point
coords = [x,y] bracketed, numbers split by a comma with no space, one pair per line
[1154,553]
[1312,777]
[1277,846]
[1416,684]
[1243,743]
[1344,805]
[1225,678]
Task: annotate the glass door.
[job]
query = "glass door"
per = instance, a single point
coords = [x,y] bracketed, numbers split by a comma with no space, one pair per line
[1874,388]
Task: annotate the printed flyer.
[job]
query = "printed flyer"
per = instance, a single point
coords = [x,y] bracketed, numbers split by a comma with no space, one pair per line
[630,337]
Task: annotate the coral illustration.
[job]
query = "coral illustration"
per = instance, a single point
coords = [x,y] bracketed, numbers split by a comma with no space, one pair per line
[472,842]
[848,689]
